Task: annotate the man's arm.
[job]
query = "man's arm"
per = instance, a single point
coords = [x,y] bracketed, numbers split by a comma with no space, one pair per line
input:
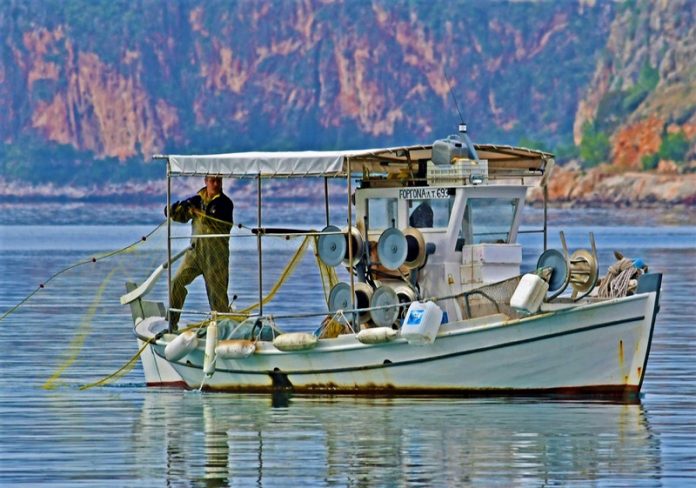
[183,211]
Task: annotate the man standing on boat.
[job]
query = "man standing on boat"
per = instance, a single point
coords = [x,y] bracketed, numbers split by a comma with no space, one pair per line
[210,212]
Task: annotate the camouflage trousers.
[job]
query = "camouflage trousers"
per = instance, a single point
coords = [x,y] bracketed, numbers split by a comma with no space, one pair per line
[215,272]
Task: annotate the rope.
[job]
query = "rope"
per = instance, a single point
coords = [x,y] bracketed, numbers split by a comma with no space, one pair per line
[617,282]
[122,371]
[128,248]
[329,278]
[287,272]
[83,331]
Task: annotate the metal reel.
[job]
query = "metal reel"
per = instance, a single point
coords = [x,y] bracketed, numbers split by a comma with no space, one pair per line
[405,293]
[340,299]
[584,271]
[560,270]
[384,296]
[392,248]
[363,297]
[415,248]
[358,246]
[331,247]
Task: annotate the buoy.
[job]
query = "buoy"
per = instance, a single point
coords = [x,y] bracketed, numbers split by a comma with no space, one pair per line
[182,344]
[211,339]
[235,349]
[377,335]
[295,341]
[529,294]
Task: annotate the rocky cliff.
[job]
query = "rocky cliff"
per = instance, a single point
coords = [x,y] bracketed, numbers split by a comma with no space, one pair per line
[126,80]
[89,90]
[644,85]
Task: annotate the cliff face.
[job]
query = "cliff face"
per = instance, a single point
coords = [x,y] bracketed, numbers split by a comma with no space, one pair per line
[126,80]
[644,85]
[91,89]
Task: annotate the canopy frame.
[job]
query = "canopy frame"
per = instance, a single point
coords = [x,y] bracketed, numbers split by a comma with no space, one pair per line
[505,163]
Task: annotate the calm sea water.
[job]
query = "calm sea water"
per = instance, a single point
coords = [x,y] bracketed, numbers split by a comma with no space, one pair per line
[74,332]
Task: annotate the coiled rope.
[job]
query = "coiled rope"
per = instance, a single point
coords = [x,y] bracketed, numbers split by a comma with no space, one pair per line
[617,282]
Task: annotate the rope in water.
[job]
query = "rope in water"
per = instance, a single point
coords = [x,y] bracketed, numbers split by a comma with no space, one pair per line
[123,370]
[80,338]
[289,269]
[92,260]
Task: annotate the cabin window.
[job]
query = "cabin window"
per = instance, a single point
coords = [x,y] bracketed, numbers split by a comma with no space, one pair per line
[488,220]
[425,214]
[381,213]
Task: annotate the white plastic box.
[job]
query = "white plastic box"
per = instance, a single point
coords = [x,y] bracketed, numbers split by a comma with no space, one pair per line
[489,263]
[422,323]
[529,294]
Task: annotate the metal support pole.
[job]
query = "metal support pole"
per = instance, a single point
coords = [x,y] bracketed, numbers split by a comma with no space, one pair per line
[546,199]
[258,242]
[169,246]
[349,236]
[326,199]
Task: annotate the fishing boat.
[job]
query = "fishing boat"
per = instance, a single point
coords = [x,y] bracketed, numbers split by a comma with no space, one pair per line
[434,300]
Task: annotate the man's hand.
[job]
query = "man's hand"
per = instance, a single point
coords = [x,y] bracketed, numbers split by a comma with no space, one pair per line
[174,206]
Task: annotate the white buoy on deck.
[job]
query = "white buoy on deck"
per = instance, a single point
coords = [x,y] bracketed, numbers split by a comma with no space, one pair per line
[183,344]
[211,340]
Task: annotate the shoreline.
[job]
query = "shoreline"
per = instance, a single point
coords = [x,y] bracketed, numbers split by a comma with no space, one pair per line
[155,200]
[600,187]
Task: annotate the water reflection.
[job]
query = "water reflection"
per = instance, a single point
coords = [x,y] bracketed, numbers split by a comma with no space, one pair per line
[221,440]
[127,435]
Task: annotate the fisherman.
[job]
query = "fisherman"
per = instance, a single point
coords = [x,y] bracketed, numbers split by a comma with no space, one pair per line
[422,216]
[210,212]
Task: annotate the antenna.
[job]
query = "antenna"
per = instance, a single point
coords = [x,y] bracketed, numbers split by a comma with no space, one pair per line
[456,104]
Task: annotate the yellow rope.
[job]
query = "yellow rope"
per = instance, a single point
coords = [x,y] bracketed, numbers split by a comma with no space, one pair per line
[122,371]
[328,276]
[327,273]
[83,331]
[287,272]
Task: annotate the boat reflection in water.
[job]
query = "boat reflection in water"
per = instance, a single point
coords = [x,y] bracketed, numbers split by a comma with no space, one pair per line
[223,438]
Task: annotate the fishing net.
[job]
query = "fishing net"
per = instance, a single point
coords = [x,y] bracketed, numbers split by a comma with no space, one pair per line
[62,284]
[489,299]
[60,310]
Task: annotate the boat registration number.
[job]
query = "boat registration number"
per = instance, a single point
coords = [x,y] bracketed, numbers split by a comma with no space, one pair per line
[423,193]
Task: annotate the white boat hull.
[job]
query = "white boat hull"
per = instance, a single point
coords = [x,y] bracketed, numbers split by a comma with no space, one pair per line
[158,371]
[599,347]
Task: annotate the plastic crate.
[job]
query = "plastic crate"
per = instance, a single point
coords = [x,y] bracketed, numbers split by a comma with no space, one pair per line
[461,172]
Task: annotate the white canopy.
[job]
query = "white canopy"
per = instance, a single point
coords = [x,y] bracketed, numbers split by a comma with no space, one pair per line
[287,163]
[334,163]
